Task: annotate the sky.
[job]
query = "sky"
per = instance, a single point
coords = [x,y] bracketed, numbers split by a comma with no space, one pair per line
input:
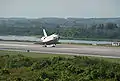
[60,8]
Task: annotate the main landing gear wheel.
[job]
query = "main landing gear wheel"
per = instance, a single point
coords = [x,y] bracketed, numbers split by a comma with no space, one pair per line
[44,45]
[53,45]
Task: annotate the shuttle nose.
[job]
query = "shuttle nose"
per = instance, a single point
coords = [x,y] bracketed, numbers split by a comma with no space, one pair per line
[56,37]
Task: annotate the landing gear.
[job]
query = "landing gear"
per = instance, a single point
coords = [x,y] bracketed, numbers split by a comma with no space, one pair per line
[53,45]
[45,45]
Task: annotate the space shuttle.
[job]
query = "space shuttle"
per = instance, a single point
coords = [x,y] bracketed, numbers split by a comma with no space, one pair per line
[49,40]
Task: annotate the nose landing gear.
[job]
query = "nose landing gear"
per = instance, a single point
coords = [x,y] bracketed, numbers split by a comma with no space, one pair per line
[44,45]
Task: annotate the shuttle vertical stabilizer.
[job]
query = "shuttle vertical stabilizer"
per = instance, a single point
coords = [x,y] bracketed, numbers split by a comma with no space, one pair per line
[45,34]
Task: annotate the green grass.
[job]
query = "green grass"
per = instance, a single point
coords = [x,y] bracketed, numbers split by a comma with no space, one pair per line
[31,54]
[43,55]
[50,67]
[111,60]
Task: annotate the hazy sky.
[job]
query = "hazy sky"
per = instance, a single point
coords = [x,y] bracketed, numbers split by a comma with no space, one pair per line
[59,8]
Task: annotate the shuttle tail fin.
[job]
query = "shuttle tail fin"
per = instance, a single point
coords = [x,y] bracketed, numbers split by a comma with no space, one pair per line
[45,34]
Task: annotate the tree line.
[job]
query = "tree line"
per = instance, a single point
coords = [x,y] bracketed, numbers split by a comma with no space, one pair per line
[107,30]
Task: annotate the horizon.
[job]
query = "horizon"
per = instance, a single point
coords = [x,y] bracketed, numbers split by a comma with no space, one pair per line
[61,17]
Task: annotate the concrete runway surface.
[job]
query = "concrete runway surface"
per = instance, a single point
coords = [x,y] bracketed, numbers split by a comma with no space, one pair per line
[113,52]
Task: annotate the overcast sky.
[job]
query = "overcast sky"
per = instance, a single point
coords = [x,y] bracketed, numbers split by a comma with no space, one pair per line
[60,8]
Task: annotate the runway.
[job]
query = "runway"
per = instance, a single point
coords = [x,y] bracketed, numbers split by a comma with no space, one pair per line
[62,49]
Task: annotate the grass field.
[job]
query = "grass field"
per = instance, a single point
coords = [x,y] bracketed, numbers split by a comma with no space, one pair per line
[50,67]
[43,55]
[31,54]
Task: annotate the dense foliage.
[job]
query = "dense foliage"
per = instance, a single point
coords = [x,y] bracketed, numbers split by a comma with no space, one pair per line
[77,68]
[108,28]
